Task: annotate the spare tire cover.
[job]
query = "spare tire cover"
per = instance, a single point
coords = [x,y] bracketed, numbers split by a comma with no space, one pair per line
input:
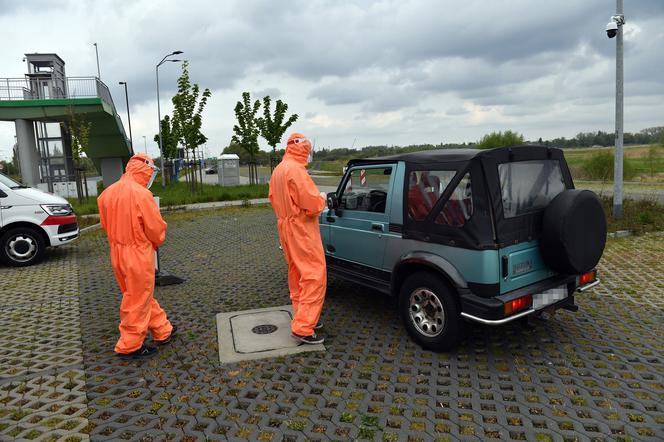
[573,232]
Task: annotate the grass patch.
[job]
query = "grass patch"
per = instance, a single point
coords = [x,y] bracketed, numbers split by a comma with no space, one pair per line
[177,194]
[638,216]
[347,417]
[295,425]
[647,161]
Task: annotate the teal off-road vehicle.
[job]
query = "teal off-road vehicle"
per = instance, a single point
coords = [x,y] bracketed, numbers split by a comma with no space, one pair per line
[482,235]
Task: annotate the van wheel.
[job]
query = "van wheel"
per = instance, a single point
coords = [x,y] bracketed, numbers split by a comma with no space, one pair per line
[429,312]
[21,246]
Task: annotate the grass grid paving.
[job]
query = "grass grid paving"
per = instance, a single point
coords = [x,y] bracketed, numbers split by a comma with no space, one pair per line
[42,384]
[594,375]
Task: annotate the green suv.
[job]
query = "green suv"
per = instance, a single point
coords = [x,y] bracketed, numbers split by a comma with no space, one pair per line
[483,235]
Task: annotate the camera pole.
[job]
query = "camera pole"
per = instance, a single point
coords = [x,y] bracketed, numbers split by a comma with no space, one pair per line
[618,158]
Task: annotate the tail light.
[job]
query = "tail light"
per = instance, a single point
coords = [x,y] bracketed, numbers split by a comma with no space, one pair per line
[587,278]
[518,304]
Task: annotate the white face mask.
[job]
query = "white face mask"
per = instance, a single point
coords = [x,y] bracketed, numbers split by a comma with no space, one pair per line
[154,175]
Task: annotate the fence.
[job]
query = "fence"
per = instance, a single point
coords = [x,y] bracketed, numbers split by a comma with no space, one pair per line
[53,88]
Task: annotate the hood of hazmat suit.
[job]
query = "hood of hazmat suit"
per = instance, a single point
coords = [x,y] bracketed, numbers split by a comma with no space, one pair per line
[135,228]
[297,203]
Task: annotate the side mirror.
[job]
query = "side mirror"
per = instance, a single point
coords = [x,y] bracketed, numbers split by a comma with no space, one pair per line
[332,201]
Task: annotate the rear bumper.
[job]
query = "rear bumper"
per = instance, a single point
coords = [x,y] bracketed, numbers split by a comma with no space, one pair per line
[490,311]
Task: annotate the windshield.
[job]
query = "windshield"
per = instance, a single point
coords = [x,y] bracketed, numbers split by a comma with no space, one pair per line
[9,182]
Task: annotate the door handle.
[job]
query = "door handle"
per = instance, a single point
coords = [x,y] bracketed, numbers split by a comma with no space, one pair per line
[378,227]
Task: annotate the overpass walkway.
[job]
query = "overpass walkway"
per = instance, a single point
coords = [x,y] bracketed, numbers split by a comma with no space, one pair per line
[21,99]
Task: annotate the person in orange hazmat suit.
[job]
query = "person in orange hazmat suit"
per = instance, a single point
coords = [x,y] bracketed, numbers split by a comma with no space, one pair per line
[135,229]
[297,203]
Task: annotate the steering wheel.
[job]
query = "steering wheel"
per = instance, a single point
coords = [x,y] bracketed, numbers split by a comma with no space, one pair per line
[381,197]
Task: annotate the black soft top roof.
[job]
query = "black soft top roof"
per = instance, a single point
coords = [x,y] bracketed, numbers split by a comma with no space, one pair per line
[442,156]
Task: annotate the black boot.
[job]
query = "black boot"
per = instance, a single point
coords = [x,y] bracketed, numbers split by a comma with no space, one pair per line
[143,352]
[170,337]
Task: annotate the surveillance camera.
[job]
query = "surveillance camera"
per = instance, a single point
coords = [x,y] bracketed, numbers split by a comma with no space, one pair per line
[611,29]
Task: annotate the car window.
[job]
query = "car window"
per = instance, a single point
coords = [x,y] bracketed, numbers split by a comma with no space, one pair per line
[424,189]
[366,190]
[8,181]
[459,207]
[527,186]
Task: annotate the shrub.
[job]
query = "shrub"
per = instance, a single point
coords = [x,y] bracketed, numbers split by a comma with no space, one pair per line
[500,139]
[600,167]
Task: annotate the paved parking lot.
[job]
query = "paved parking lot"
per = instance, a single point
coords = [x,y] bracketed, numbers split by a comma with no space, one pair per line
[594,375]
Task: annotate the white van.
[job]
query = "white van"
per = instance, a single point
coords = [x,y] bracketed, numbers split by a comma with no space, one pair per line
[30,221]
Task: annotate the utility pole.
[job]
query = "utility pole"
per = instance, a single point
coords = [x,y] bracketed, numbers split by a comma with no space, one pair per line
[97,54]
[618,161]
[131,139]
[161,144]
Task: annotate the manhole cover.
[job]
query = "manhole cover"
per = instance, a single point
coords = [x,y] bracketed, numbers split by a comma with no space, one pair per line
[264,329]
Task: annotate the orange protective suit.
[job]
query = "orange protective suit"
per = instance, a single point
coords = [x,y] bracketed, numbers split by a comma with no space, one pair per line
[135,228]
[297,204]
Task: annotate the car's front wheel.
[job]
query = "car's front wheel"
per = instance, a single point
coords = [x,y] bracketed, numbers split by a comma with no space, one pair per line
[21,246]
[429,312]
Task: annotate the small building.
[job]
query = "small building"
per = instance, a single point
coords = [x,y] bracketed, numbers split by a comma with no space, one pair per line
[228,169]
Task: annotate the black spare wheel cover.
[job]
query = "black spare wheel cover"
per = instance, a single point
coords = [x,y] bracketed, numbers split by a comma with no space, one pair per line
[574,232]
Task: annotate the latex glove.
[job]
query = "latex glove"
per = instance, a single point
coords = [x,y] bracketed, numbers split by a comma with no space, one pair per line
[324,195]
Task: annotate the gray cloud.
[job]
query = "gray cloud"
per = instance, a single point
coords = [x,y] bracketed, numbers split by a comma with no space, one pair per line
[457,67]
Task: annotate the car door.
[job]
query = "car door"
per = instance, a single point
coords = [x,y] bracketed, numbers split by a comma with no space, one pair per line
[358,228]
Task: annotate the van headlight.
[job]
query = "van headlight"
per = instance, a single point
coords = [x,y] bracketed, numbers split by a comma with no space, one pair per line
[57,209]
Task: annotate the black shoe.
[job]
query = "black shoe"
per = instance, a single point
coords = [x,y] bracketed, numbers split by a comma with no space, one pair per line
[312,339]
[170,337]
[143,352]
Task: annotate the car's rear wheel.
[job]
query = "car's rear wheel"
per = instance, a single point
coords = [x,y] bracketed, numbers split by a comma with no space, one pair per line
[21,246]
[429,312]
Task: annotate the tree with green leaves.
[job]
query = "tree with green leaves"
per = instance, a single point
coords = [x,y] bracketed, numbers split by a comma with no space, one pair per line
[247,131]
[500,139]
[272,128]
[187,117]
[169,138]
[78,128]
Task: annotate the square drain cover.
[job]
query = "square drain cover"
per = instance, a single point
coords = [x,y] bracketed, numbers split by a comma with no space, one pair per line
[257,334]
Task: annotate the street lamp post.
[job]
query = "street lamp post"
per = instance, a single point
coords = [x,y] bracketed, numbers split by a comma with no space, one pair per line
[161,146]
[131,139]
[97,55]
[615,29]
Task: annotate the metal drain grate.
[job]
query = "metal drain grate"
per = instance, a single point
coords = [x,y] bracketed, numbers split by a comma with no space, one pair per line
[264,329]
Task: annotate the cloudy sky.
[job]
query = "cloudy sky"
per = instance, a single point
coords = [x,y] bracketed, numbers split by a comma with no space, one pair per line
[359,72]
